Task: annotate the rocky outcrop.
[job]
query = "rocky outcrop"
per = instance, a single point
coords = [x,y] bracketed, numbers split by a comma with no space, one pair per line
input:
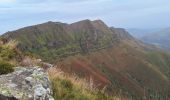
[26,84]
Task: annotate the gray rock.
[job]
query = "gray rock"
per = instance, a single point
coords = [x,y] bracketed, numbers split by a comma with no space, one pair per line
[26,84]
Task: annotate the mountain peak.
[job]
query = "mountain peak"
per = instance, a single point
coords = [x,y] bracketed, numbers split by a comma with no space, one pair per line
[99,24]
[98,21]
[84,24]
[82,21]
[87,21]
[53,23]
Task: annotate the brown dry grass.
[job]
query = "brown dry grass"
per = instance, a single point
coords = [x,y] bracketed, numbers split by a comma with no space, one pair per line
[74,87]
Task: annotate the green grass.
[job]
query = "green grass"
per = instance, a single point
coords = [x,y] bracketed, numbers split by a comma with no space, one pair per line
[160,59]
[6,52]
[8,57]
[64,89]
[6,67]
[72,88]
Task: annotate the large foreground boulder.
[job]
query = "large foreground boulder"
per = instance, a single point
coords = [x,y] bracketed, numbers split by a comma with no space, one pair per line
[25,84]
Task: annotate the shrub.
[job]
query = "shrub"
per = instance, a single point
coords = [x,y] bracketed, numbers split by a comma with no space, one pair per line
[5,67]
[7,52]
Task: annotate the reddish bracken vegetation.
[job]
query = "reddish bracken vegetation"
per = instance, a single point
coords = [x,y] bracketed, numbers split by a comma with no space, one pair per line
[119,70]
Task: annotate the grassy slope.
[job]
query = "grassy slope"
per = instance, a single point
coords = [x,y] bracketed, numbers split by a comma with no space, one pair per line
[64,87]
[125,68]
[73,88]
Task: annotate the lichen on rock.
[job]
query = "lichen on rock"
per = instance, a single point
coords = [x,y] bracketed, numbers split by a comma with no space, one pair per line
[26,84]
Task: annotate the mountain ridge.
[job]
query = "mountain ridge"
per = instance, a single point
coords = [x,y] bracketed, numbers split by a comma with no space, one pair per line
[110,56]
[57,34]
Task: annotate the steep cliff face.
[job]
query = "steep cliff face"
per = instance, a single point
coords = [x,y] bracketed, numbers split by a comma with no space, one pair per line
[26,84]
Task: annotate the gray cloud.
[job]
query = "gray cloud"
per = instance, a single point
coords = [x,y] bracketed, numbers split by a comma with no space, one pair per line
[119,13]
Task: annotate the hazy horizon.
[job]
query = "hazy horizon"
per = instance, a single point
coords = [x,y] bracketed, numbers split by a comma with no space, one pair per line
[15,14]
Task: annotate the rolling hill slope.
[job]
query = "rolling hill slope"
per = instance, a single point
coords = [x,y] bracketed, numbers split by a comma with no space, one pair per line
[139,33]
[160,38]
[109,56]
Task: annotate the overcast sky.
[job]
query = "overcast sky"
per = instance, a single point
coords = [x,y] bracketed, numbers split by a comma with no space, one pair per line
[15,14]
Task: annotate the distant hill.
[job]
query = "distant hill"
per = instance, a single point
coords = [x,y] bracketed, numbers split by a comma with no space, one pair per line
[138,33]
[111,57]
[160,38]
